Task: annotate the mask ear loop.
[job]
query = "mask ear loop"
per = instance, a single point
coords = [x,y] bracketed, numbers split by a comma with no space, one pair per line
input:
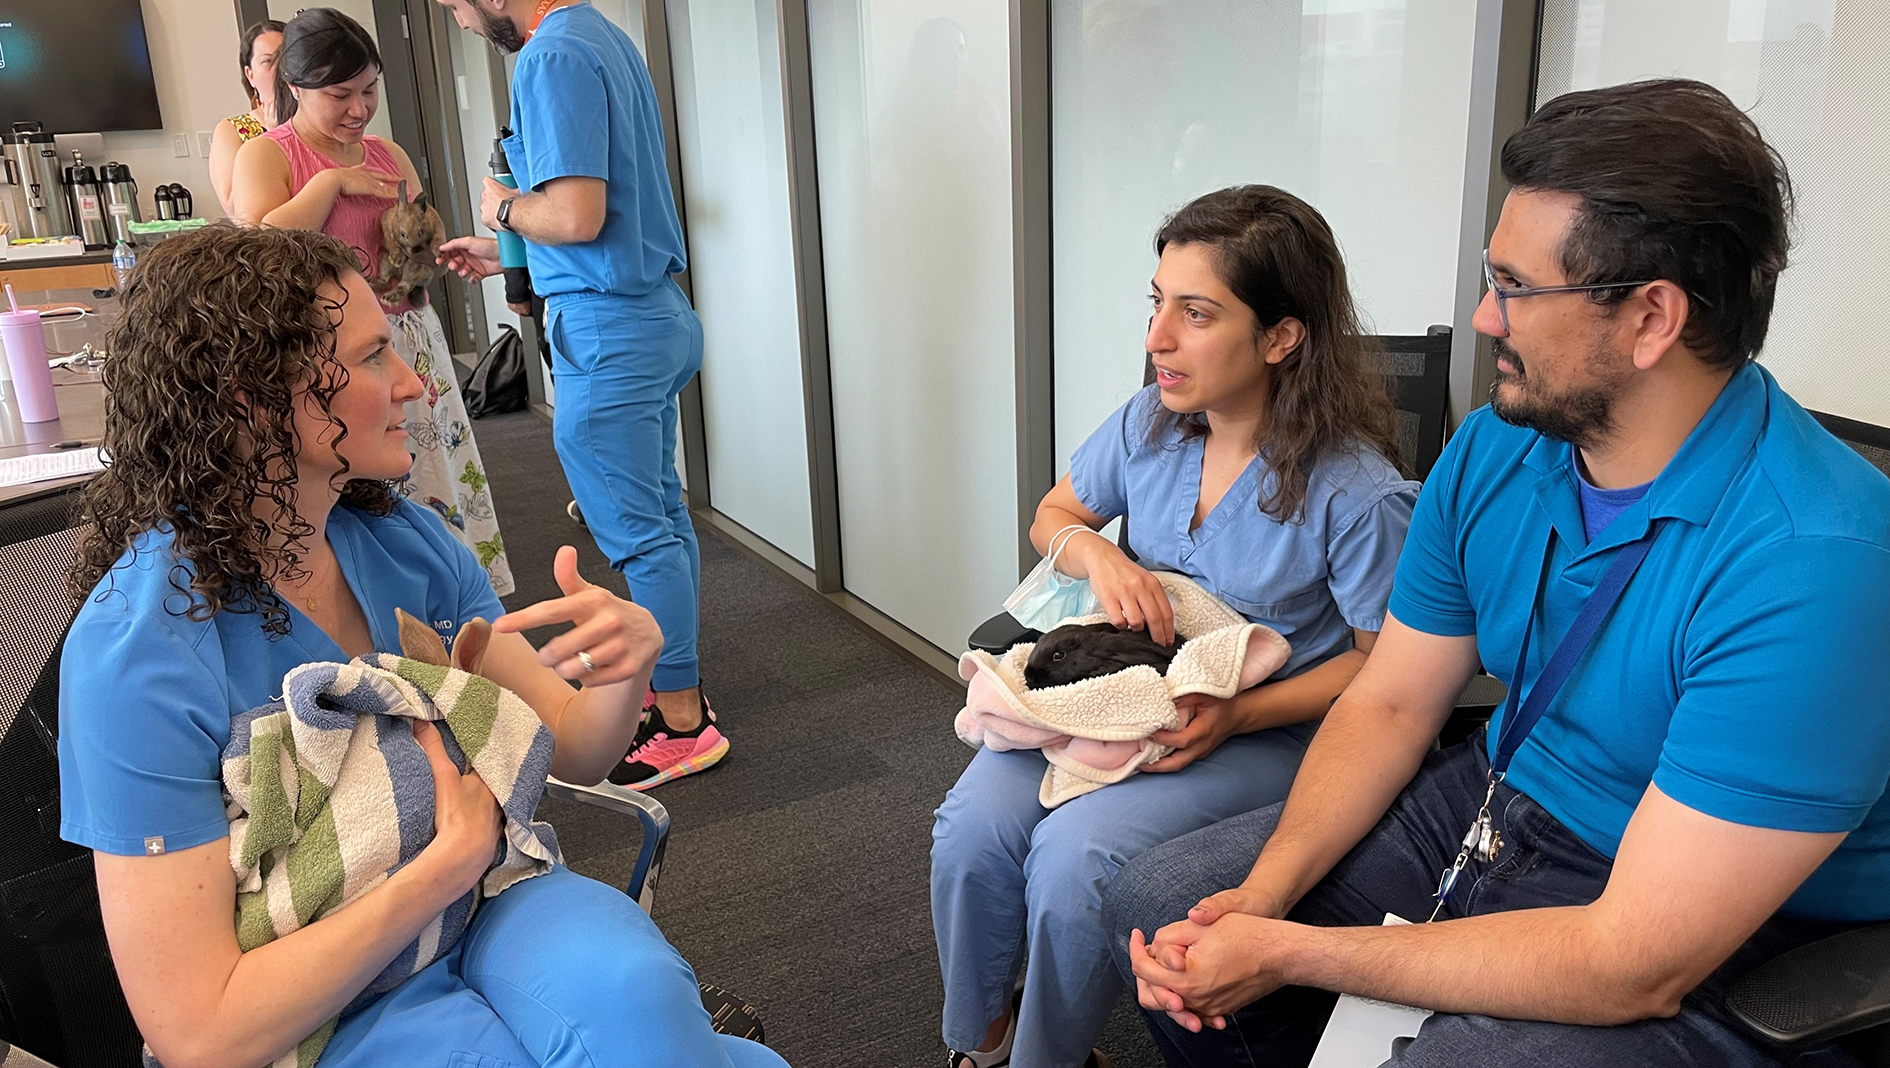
[1057,550]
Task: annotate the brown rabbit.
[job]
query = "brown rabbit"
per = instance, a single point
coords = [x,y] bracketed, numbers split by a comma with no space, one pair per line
[411,234]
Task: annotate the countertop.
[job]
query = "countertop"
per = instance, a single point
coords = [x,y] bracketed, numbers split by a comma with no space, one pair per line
[81,394]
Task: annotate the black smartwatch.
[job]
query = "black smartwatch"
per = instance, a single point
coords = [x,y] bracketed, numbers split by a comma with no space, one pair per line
[505,213]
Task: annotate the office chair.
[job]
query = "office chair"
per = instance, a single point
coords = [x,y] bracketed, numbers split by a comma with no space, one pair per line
[59,994]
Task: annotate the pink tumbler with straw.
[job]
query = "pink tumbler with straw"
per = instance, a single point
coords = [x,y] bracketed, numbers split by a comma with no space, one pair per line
[25,342]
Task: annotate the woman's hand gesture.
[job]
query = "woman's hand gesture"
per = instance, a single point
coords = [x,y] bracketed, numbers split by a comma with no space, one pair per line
[1133,598]
[619,640]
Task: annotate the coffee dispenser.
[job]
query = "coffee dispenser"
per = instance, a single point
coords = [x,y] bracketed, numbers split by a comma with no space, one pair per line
[87,202]
[33,165]
[121,200]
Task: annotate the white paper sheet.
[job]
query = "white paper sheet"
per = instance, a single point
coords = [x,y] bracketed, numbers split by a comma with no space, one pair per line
[1364,1033]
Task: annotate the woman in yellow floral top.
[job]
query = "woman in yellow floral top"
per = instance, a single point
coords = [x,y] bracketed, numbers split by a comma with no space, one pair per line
[262,42]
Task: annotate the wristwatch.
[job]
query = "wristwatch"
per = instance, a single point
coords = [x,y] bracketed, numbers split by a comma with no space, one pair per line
[505,213]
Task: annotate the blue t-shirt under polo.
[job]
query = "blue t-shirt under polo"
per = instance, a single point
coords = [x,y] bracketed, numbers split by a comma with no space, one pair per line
[1740,672]
[146,694]
[583,105]
[1601,507]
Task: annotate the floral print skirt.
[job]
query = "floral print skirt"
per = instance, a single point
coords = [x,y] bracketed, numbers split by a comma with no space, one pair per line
[447,474]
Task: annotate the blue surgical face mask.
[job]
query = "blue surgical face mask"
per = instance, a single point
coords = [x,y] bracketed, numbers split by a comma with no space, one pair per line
[1047,597]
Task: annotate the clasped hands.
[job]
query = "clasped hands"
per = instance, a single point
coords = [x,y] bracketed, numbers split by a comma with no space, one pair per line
[1225,955]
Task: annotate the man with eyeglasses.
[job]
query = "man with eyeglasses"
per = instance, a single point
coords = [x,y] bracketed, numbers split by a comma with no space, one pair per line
[1684,582]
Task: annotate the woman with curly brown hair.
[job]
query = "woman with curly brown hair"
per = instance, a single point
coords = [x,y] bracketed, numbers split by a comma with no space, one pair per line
[247,525]
[1261,464]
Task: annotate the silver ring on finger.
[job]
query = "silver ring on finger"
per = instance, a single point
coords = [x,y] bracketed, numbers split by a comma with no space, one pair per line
[584,657]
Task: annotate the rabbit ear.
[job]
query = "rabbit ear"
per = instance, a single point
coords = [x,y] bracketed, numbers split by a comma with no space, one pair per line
[401,194]
[469,649]
[420,200]
[419,642]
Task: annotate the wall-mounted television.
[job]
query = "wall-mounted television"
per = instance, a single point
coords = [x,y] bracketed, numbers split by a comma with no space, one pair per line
[76,66]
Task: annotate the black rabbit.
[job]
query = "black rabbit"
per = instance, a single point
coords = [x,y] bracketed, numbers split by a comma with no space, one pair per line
[1073,652]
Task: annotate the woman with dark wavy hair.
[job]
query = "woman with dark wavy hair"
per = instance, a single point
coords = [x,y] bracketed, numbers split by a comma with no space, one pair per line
[321,170]
[247,525]
[1261,464]
[256,61]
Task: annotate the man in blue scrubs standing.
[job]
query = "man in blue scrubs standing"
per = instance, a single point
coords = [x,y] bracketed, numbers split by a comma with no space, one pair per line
[1685,582]
[603,242]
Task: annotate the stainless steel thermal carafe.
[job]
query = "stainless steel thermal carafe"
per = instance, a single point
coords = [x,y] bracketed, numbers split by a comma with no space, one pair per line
[121,200]
[87,203]
[36,162]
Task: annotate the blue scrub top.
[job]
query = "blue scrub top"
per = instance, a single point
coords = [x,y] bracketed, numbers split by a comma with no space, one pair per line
[1312,579]
[583,105]
[146,695]
[1740,672]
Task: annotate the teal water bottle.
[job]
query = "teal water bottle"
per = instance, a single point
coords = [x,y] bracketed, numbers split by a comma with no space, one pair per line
[511,246]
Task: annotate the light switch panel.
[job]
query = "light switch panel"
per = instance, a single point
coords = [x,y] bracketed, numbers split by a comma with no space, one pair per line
[203,143]
[180,146]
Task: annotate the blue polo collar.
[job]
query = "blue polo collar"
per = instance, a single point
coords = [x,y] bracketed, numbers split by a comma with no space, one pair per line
[1689,488]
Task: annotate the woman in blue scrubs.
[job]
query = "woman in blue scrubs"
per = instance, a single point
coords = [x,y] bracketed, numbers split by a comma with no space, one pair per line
[247,525]
[1260,464]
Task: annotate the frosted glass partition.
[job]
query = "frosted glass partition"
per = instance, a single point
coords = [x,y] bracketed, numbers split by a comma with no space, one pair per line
[1811,73]
[912,126]
[729,116]
[1360,107]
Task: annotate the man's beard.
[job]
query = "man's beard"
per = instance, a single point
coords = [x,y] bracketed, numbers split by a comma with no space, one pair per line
[1583,416]
[503,33]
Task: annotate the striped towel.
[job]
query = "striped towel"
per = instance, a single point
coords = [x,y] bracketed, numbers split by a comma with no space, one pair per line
[329,794]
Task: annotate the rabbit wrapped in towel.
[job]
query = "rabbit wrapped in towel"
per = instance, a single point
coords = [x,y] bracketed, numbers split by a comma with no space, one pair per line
[1090,650]
[411,235]
[1094,729]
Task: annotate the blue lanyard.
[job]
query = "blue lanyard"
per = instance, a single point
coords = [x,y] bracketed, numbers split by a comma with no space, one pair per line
[1519,721]
[1520,715]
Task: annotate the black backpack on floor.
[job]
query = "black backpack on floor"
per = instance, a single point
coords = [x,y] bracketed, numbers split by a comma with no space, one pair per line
[498,380]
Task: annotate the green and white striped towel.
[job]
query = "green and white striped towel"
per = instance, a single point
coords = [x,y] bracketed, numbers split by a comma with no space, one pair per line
[330,794]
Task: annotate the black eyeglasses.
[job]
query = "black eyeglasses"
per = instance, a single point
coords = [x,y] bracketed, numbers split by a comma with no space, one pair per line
[1503,294]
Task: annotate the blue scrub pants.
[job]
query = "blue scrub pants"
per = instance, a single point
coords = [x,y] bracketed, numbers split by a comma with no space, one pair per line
[619,364]
[559,970]
[1011,878]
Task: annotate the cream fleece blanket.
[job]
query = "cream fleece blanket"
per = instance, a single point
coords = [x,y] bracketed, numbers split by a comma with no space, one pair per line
[1096,731]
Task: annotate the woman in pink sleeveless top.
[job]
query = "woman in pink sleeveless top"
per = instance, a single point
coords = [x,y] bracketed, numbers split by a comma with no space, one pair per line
[321,170]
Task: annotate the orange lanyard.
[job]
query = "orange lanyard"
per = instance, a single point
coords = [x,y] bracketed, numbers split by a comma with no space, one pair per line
[538,16]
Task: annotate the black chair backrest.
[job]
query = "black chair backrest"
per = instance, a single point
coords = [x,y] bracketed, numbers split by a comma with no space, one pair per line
[1417,372]
[59,996]
[1871,442]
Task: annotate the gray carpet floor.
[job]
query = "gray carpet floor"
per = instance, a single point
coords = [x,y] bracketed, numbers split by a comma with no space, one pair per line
[797,868]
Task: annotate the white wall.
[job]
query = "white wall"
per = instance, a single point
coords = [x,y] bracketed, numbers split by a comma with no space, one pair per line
[193,58]
[1812,75]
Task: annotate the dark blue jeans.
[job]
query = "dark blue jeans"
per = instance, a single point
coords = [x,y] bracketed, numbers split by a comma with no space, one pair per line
[1394,869]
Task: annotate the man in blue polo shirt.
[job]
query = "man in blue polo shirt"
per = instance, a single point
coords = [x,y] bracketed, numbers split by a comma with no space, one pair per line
[603,243]
[1684,581]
